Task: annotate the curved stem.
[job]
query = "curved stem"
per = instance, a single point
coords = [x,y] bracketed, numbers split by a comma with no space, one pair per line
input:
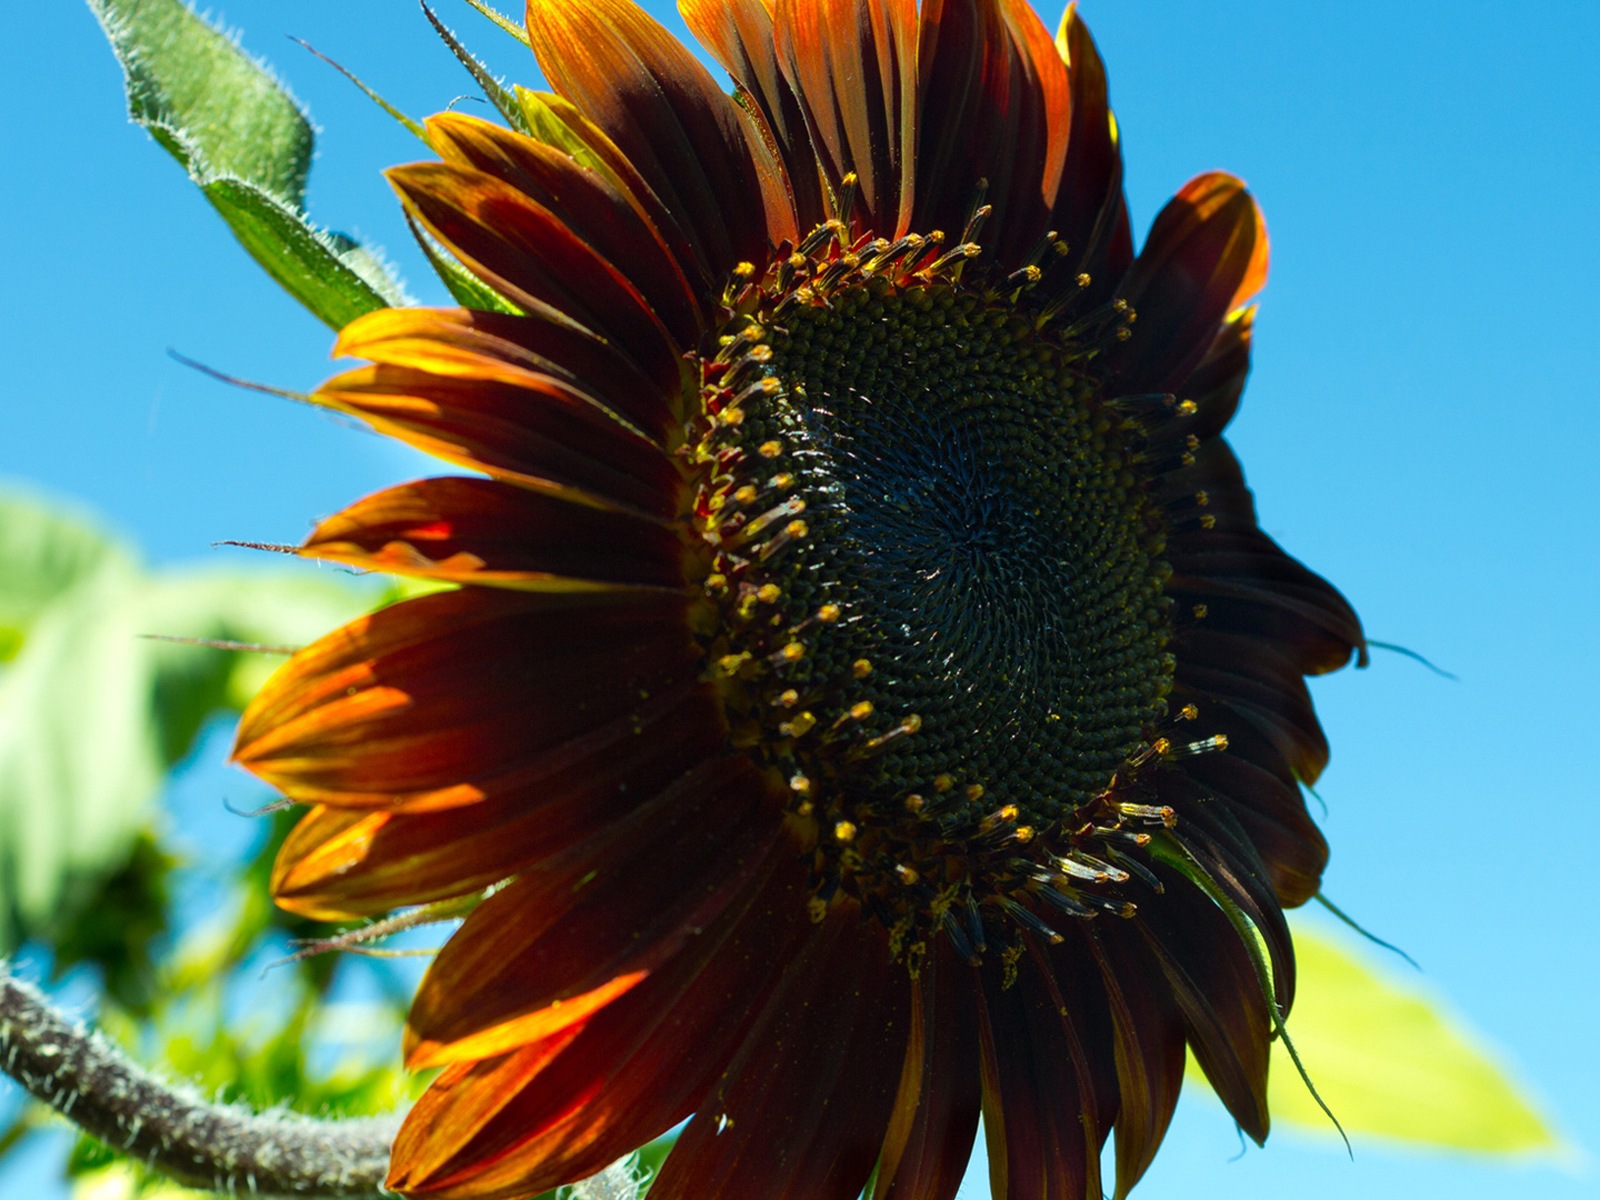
[174,1129]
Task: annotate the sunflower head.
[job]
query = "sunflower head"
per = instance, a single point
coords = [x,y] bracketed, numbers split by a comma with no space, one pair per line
[869,700]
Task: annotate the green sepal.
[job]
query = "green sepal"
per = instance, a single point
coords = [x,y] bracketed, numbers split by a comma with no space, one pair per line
[247,144]
[544,123]
[469,291]
[492,87]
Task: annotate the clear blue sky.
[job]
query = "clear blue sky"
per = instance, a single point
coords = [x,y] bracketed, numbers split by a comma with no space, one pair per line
[1422,427]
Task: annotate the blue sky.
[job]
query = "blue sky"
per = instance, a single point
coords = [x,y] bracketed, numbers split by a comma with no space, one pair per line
[1421,427]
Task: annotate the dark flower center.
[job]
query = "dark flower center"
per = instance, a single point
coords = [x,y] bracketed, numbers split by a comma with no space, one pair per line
[937,577]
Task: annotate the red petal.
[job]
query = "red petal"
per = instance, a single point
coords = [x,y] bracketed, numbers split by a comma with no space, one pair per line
[344,863]
[664,111]
[1219,994]
[598,211]
[994,106]
[740,35]
[853,65]
[1148,1042]
[935,1120]
[1039,1106]
[561,1110]
[442,700]
[487,532]
[801,1111]
[1205,256]
[1091,215]
[520,351]
[530,255]
[561,941]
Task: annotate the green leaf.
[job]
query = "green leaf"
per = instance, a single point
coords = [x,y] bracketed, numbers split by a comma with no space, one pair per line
[1394,1063]
[247,144]
[94,711]
[44,552]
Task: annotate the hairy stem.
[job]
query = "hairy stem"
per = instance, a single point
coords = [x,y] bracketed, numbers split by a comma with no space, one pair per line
[175,1129]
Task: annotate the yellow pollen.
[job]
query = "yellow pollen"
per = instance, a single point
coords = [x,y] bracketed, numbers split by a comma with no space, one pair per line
[1161,745]
[1084,280]
[912,723]
[1189,712]
[730,663]
[797,260]
[1024,833]
[1200,611]
[802,724]
[828,613]
[753,333]
[1187,408]
[915,803]
[943,783]
[861,711]
[1192,441]
[717,582]
[861,668]
[768,593]
[745,495]
[1202,498]
[1124,334]
[1009,813]
[805,808]
[744,270]
[800,785]
[1208,522]
[975,792]
[783,482]
[797,529]
[732,416]
[761,354]
[771,384]
[770,449]
[907,875]
[789,698]
[844,831]
[849,181]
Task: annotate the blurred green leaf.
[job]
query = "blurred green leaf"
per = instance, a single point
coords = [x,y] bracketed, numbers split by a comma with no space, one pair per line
[94,711]
[1394,1063]
[45,550]
[247,144]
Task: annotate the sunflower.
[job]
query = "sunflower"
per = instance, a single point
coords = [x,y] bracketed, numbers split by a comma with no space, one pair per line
[868,701]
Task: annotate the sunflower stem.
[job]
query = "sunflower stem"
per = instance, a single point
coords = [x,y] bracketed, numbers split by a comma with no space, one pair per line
[174,1129]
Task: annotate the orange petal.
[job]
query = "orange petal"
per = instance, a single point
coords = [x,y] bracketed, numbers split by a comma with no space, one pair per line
[1206,255]
[568,938]
[1147,1045]
[802,1109]
[994,106]
[1039,1113]
[1091,215]
[739,34]
[486,532]
[340,863]
[519,351]
[499,1130]
[686,138]
[531,256]
[935,1120]
[853,65]
[1218,993]
[600,212]
[441,700]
